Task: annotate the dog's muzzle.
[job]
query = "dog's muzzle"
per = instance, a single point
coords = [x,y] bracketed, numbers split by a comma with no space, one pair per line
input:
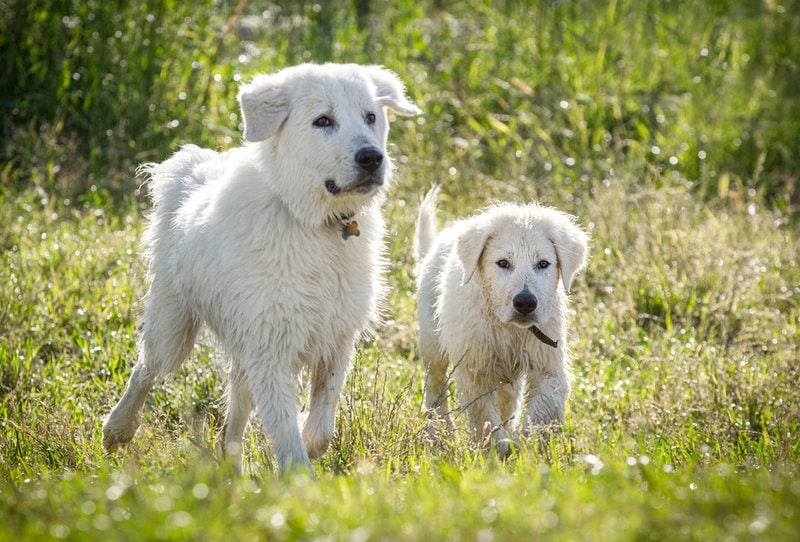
[369,174]
[525,304]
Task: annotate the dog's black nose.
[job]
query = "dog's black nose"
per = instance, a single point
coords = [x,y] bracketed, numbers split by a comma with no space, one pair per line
[525,302]
[369,158]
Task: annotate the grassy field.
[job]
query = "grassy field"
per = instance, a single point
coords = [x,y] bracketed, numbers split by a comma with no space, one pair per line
[670,129]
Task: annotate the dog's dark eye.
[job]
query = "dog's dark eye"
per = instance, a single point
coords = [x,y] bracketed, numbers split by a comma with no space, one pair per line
[370,118]
[502,264]
[543,264]
[323,121]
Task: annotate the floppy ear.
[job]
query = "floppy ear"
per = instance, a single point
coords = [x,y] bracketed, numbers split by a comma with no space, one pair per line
[469,248]
[391,92]
[265,105]
[571,244]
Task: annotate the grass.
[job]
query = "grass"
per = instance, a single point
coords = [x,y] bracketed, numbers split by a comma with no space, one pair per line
[672,137]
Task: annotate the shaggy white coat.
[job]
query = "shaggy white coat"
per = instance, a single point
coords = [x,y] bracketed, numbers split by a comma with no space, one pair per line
[473,278]
[250,242]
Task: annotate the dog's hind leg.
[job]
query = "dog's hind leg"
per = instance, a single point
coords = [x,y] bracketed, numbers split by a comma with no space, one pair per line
[437,402]
[240,404]
[437,382]
[167,338]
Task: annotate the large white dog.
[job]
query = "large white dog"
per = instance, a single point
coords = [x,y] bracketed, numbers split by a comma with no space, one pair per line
[492,302]
[277,246]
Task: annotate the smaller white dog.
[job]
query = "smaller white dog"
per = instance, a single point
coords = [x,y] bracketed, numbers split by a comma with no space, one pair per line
[492,301]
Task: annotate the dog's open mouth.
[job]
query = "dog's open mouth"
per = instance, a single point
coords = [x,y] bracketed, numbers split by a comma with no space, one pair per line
[365,185]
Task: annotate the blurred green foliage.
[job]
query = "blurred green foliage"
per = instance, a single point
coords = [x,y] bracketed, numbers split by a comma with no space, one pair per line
[695,92]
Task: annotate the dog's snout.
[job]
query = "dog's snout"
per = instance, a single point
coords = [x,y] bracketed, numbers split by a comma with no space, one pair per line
[525,302]
[369,158]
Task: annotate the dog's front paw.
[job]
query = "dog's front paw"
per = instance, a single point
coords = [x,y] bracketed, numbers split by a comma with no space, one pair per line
[116,436]
[506,448]
[316,440]
[437,428]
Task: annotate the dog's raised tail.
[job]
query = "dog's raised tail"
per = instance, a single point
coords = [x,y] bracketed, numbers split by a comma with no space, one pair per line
[426,230]
[169,181]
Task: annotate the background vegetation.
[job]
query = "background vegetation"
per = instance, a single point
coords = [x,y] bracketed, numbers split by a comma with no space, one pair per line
[671,129]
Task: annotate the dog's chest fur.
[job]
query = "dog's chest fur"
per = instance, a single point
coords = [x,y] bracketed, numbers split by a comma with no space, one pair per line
[305,289]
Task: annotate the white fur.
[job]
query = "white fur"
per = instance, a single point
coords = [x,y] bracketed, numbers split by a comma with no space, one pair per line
[249,241]
[467,315]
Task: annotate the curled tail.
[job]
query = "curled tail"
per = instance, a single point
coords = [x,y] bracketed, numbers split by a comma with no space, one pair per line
[426,230]
[169,184]
[169,181]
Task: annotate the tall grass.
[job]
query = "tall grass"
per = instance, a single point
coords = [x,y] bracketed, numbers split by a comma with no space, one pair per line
[669,129]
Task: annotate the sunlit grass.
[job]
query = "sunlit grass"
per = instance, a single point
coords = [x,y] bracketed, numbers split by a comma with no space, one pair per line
[684,356]
[602,500]
[661,132]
